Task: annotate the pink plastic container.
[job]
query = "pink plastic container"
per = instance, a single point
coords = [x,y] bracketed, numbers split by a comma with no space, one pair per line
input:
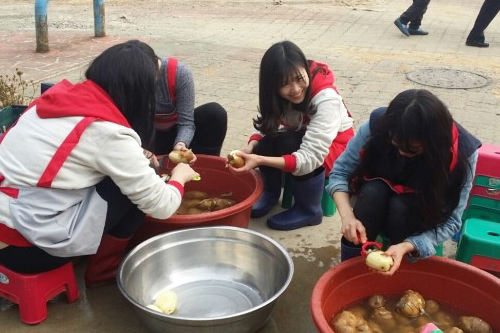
[471,290]
[215,179]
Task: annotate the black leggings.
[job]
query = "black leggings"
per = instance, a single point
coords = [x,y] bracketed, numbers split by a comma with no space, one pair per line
[123,218]
[380,209]
[283,143]
[210,121]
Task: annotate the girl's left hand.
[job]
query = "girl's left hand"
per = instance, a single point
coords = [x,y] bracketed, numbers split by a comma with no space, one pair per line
[251,162]
[182,146]
[397,253]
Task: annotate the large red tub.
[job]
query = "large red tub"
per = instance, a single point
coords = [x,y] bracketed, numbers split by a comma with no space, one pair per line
[472,291]
[216,179]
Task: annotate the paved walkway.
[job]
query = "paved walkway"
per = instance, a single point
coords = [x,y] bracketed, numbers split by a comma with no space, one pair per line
[223,42]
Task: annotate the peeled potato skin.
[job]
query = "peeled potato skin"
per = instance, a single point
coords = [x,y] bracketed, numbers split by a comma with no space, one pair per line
[167,301]
[235,160]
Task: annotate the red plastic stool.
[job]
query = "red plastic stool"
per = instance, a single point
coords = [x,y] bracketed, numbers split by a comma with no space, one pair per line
[32,291]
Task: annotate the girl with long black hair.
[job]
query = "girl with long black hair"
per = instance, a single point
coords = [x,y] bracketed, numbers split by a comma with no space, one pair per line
[410,170]
[302,127]
[73,176]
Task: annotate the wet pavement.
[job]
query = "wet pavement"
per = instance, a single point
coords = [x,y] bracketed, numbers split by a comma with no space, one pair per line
[222,42]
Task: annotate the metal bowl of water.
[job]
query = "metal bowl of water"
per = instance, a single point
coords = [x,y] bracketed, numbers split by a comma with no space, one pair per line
[227,279]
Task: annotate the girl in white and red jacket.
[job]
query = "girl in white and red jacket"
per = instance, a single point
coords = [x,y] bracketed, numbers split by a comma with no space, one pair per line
[302,127]
[74,179]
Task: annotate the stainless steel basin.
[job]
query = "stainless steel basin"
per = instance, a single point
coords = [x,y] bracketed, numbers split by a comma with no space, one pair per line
[227,279]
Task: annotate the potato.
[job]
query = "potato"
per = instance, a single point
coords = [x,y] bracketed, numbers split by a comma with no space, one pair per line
[345,322]
[376,301]
[166,301]
[194,194]
[453,330]
[235,160]
[411,304]
[379,261]
[431,307]
[181,156]
[470,324]
[154,307]
[384,318]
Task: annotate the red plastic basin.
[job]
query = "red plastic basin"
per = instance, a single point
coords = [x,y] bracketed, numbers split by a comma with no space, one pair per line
[216,179]
[472,291]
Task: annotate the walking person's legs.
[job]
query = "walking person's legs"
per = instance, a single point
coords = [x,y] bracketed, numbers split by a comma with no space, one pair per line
[409,22]
[487,13]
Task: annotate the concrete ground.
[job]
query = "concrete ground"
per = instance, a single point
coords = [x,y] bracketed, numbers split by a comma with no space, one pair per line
[222,42]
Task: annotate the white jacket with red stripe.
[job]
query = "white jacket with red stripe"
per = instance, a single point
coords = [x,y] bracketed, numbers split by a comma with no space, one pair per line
[105,149]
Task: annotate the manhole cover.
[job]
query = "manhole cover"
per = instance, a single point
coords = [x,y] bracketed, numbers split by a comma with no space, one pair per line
[447,78]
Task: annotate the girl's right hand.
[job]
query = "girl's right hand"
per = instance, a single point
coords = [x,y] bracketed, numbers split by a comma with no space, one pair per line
[353,230]
[183,173]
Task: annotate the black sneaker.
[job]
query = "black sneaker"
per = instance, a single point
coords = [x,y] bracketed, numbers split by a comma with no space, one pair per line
[476,43]
[402,27]
[418,32]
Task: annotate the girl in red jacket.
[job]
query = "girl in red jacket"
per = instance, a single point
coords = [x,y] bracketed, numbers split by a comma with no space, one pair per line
[302,127]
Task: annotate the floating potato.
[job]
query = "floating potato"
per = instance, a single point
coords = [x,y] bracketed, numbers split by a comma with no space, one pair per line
[154,307]
[376,301]
[359,312]
[421,321]
[190,203]
[167,301]
[411,304]
[363,327]
[384,318]
[182,210]
[407,329]
[453,330]
[374,327]
[379,261]
[443,320]
[470,324]
[194,210]
[235,160]
[214,204]
[181,156]
[345,322]
[431,307]
[401,320]
[195,194]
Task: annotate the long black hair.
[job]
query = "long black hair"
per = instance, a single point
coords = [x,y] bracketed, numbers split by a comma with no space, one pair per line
[281,62]
[418,115]
[128,72]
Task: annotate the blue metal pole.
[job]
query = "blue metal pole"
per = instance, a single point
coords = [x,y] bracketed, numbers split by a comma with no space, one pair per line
[99,18]
[42,30]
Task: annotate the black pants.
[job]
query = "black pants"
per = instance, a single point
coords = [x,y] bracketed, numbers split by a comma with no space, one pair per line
[380,209]
[210,121]
[415,13]
[122,220]
[283,143]
[489,10]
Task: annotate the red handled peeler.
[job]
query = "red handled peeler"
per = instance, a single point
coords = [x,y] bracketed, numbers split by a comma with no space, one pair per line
[369,246]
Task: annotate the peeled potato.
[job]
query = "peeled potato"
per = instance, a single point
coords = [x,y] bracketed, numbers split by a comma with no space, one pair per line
[379,261]
[181,156]
[166,301]
[235,160]
[154,307]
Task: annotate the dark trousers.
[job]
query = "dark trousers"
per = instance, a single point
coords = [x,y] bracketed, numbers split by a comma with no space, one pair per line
[123,218]
[279,144]
[489,10]
[210,121]
[380,209]
[415,13]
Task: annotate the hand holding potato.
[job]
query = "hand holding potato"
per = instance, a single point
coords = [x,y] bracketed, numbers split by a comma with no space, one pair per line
[181,154]
[183,173]
[234,160]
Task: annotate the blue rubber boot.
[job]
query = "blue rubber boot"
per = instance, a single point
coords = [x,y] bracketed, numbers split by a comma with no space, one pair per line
[271,194]
[348,251]
[307,208]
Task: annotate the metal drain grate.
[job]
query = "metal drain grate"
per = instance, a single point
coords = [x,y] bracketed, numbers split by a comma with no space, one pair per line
[447,78]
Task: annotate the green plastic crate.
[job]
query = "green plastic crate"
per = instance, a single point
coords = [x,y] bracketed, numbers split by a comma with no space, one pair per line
[488,182]
[479,238]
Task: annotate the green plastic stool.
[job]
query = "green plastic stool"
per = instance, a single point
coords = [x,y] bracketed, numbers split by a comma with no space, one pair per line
[327,203]
[479,245]
[386,243]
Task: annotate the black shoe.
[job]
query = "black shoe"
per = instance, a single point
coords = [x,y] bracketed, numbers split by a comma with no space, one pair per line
[476,43]
[402,27]
[417,31]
